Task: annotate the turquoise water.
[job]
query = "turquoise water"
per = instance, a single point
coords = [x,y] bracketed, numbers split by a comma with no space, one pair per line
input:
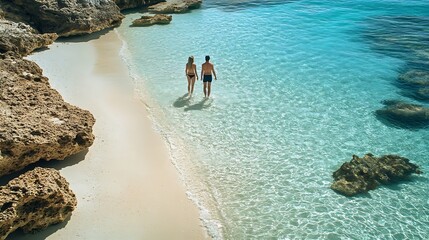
[298,85]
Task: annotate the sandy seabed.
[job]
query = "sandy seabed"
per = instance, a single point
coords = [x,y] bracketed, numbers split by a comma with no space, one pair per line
[126,184]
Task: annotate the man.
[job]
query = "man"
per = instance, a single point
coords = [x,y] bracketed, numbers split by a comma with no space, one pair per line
[206,74]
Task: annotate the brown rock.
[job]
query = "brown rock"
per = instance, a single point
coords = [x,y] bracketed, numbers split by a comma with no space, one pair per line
[21,38]
[363,174]
[151,20]
[35,200]
[175,6]
[35,122]
[65,17]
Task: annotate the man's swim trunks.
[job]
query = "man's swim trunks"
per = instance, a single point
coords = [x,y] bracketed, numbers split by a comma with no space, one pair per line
[207,78]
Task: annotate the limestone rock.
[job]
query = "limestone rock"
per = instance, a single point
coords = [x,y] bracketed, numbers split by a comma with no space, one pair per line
[21,38]
[404,114]
[35,200]
[35,122]
[126,4]
[66,17]
[151,20]
[363,174]
[175,6]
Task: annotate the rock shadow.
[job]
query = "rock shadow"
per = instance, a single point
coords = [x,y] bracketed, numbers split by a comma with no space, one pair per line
[39,235]
[182,101]
[204,103]
[56,164]
[84,38]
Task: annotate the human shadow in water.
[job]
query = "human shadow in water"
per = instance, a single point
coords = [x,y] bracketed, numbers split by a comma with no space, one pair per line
[182,101]
[204,103]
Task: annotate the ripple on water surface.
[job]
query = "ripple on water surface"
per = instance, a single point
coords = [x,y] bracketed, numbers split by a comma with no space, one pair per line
[298,85]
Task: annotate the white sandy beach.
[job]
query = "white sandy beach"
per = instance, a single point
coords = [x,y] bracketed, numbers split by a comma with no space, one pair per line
[126,184]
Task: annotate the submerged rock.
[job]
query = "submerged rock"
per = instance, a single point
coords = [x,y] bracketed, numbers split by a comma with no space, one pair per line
[363,174]
[151,20]
[35,122]
[415,77]
[404,114]
[21,38]
[126,4]
[35,200]
[66,17]
[422,93]
[175,6]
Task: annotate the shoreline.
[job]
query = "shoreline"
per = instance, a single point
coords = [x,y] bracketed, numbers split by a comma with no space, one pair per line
[126,180]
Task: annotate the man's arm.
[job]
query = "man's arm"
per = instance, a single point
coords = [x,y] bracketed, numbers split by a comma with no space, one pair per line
[202,71]
[214,73]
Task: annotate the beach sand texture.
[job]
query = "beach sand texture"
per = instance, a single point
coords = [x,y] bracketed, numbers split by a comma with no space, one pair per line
[126,184]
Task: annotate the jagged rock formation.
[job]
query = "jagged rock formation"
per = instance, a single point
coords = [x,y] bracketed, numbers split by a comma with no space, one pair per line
[35,122]
[35,200]
[175,6]
[363,174]
[21,38]
[65,17]
[126,4]
[151,20]
[404,114]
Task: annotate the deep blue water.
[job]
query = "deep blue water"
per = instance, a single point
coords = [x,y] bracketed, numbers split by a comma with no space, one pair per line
[298,86]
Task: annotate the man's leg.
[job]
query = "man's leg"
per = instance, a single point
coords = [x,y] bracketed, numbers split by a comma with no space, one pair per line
[205,89]
[209,86]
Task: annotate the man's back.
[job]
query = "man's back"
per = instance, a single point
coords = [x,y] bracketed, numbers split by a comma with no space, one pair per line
[207,68]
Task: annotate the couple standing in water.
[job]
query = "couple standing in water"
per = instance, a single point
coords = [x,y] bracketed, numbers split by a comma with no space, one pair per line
[207,69]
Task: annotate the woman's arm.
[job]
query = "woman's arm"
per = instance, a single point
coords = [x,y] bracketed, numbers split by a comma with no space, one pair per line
[195,70]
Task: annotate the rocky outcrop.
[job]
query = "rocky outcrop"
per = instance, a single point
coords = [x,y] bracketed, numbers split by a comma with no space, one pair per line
[35,122]
[35,200]
[126,4]
[151,20]
[21,38]
[404,114]
[175,6]
[363,174]
[65,17]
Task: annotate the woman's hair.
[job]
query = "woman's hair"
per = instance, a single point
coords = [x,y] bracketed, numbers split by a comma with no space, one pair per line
[190,60]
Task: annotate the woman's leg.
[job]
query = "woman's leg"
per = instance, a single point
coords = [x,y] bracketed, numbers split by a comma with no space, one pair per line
[192,85]
[189,84]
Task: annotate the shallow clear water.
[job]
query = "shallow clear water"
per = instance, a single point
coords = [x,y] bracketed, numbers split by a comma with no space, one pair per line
[298,85]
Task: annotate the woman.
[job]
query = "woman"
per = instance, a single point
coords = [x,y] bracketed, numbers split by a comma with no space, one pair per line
[191,73]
